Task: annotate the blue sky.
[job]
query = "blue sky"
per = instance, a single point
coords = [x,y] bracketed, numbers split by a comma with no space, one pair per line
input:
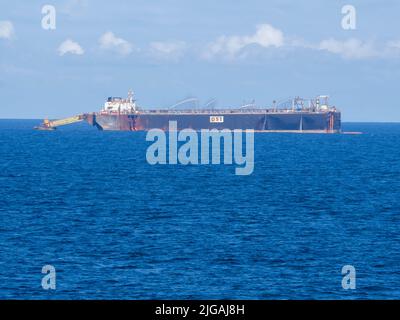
[171,49]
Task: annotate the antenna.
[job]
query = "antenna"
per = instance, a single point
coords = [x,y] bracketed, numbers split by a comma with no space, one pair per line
[130,95]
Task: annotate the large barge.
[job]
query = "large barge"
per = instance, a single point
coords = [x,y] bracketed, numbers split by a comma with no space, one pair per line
[299,116]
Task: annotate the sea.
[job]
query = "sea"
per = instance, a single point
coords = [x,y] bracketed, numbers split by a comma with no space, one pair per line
[109,225]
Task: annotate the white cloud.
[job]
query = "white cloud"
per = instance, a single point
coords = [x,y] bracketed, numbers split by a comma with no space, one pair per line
[350,49]
[69,46]
[110,42]
[168,49]
[6,30]
[265,36]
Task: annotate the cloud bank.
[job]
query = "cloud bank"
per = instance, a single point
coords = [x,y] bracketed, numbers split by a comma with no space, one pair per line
[232,47]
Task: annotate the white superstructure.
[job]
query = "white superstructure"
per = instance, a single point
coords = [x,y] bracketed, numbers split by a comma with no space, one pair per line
[120,105]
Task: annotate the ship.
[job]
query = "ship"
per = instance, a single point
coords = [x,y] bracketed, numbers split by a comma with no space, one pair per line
[297,115]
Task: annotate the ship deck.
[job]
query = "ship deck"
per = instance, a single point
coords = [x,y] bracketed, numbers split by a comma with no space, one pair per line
[219,111]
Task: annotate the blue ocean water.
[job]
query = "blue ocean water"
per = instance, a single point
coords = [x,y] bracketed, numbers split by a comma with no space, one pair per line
[115,227]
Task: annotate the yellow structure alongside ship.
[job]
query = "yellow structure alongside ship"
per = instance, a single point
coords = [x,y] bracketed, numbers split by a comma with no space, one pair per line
[52,125]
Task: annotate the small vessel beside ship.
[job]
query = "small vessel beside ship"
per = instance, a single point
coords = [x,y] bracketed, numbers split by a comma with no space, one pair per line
[299,116]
